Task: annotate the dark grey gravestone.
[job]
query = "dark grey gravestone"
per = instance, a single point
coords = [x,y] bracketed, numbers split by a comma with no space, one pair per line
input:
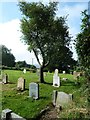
[34,90]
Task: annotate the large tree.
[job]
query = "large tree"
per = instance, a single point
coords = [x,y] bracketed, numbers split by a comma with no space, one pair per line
[43,32]
[83,41]
[8,58]
[83,50]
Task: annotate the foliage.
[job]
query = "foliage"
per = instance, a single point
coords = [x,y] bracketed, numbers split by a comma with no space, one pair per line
[83,50]
[83,41]
[23,64]
[8,58]
[44,33]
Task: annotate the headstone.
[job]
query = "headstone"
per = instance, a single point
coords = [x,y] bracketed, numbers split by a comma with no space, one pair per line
[8,114]
[21,84]
[77,74]
[24,71]
[63,99]
[34,90]
[38,72]
[64,72]
[56,79]
[5,78]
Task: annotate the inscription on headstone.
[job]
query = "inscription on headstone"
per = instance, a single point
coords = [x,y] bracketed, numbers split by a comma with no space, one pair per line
[56,79]
[21,84]
[34,90]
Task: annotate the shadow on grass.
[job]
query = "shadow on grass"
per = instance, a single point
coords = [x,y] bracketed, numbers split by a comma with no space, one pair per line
[48,83]
[69,83]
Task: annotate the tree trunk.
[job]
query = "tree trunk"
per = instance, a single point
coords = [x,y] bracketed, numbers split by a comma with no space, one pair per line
[41,74]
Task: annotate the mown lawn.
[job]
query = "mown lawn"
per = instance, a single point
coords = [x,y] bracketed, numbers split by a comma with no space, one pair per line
[26,107]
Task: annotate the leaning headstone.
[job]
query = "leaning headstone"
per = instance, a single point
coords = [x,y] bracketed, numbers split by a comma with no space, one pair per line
[21,84]
[5,79]
[63,99]
[34,90]
[8,114]
[56,79]
[24,71]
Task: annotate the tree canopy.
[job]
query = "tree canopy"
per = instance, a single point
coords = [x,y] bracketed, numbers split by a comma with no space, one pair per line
[8,58]
[83,41]
[44,33]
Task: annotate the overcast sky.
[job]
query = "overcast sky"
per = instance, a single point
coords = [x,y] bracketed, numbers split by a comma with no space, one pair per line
[10,25]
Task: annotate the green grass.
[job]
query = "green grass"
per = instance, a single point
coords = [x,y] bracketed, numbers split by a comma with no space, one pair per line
[26,107]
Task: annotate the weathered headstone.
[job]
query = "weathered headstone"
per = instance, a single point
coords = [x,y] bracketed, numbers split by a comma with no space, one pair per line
[56,79]
[34,90]
[21,84]
[8,114]
[24,71]
[5,78]
[38,72]
[63,99]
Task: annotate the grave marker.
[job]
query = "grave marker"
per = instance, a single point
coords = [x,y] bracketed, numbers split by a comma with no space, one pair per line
[21,84]
[5,78]
[56,79]
[24,71]
[63,99]
[34,90]
[64,72]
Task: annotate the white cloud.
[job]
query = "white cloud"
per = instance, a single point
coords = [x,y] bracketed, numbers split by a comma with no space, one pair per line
[10,37]
[73,19]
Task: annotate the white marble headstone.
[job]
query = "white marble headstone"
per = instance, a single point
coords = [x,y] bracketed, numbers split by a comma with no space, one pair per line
[56,79]
[34,90]
[64,72]
[24,71]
